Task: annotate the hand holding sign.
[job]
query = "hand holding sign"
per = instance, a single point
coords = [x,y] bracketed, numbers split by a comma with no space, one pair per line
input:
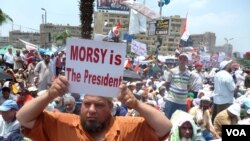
[127,97]
[59,87]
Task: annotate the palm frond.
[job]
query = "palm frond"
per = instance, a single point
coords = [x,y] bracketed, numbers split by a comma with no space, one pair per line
[4,17]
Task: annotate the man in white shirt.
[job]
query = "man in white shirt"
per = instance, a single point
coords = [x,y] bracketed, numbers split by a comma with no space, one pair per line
[224,88]
[43,73]
[198,79]
[9,58]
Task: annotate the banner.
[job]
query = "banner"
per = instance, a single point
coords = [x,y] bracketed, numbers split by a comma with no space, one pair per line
[94,67]
[111,5]
[162,27]
[28,45]
[151,28]
[138,48]
[137,22]
[141,8]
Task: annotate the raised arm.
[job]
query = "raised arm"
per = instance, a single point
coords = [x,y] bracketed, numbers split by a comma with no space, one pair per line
[28,114]
[157,120]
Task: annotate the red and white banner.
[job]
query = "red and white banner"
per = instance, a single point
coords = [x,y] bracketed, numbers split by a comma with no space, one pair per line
[28,45]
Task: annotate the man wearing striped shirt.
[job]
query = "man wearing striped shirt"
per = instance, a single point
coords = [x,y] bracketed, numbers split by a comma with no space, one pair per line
[178,83]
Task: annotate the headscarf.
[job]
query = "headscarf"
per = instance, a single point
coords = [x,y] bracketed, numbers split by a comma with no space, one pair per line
[177,120]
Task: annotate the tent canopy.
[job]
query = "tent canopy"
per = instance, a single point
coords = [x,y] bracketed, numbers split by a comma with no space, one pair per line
[4,49]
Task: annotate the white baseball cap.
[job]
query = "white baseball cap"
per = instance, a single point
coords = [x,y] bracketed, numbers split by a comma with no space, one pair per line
[234,109]
[223,64]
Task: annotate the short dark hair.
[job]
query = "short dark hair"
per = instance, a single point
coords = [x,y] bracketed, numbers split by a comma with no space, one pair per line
[6,89]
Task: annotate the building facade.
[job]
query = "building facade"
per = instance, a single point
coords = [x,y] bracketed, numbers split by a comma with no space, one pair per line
[226,48]
[4,41]
[104,21]
[208,40]
[15,35]
[50,31]
[169,42]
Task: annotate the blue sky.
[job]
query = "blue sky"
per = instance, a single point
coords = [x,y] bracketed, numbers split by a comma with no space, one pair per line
[226,18]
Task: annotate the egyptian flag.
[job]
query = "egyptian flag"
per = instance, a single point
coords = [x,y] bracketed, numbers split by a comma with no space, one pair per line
[185,38]
[136,68]
[127,63]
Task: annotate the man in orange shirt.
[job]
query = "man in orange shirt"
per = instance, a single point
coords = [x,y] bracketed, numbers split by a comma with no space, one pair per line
[95,122]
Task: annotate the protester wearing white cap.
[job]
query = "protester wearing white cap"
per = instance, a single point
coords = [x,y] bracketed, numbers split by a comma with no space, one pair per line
[203,119]
[228,116]
[224,88]
[224,64]
[178,85]
[234,109]
[196,101]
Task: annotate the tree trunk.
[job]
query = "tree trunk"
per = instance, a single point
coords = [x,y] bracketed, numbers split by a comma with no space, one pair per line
[86,17]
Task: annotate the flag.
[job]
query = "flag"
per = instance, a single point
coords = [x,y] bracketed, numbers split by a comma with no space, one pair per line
[127,63]
[137,22]
[28,45]
[185,38]
[118,25]
[141,8]
[185,25]
[136,68]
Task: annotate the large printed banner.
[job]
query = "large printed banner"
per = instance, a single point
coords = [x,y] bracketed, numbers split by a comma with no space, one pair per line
[94,67]
[111,5]
[141,8]
[138,48]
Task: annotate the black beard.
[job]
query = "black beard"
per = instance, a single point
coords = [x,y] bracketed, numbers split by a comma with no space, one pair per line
[93,126]
[46,61]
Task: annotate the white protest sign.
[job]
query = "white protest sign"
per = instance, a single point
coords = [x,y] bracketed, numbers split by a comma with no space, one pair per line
[138,48]
[94,67]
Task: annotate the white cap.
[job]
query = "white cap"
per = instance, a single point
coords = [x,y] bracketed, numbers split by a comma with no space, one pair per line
[140,92]
[223,64]
[6,84]
[32,89]
[131,84]
[183,55]
[234,109]
[205,98]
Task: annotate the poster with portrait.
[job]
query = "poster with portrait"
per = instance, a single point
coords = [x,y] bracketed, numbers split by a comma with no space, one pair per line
[111,5]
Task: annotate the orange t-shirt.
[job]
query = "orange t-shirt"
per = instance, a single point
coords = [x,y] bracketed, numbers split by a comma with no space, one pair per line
[66,127]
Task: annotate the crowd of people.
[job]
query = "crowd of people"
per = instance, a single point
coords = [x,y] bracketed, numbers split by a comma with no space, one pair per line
[35,103]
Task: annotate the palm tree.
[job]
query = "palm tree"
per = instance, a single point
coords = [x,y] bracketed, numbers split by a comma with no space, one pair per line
[4,17]
[86,17]
[62,36]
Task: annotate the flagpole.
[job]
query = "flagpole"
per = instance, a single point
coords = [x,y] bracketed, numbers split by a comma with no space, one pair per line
[160,12]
